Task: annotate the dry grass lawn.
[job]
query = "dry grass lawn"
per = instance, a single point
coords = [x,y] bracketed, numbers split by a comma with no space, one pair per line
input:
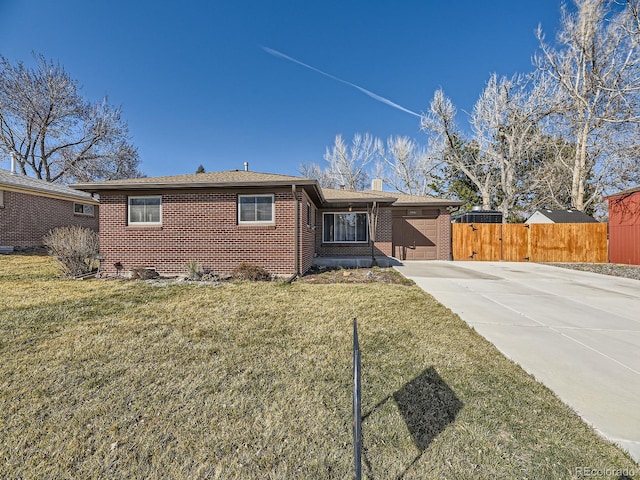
[113,379]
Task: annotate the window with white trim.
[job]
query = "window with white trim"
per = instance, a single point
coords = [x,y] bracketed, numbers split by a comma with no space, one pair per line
[145,210]
[83,209]
[345,227]
[256,209]
[309,213]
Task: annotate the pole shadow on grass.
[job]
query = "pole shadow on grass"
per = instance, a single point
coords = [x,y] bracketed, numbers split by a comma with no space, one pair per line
[427,406]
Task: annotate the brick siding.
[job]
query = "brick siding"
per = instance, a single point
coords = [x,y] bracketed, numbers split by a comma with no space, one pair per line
[25,218]
[202,226]
[444,234]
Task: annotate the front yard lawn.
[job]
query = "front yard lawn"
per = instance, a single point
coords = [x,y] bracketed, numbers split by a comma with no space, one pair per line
[115,379]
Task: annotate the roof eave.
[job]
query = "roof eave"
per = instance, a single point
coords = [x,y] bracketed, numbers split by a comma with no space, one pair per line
[29,190]
[95,187]
[438,203]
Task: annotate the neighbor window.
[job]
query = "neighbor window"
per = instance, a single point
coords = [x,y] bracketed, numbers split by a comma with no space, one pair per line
[255,209]
[83,209]
[309,219]
[1,198]
[345,227]
[145,210]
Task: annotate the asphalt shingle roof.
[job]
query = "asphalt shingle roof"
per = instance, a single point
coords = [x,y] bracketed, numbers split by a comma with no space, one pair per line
[567,216]
[244,178]
[230,177]
[35,185]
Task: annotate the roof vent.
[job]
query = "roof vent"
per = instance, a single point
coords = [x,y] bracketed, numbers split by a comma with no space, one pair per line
[246,166]
[376,184]
[13,163]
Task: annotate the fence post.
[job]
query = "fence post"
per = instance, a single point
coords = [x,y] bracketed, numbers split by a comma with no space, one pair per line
[357,405]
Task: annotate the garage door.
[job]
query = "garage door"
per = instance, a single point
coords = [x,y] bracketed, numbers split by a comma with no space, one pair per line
[415,238]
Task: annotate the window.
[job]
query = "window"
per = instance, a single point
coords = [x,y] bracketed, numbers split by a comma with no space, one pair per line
[255,209]
[345,227]
[1,198]
[145,210]
[83,209]
[309,219]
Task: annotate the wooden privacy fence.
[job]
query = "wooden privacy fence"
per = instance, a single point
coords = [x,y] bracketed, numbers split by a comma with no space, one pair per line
[540,242]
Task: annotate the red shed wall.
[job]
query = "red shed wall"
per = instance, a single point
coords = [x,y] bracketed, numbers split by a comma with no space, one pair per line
[201,226]
[26,218]
[624,229]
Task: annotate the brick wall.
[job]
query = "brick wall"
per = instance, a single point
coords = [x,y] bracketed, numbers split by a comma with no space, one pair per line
[202,226]
[307,232]
[382,245]
[444,235]
[25,218]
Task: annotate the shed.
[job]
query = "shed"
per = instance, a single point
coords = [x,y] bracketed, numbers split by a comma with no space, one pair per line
[624,227]
[569,215]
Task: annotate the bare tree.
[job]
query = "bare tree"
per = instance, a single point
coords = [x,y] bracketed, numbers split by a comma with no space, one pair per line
[373,211]
[54,132]
[596,72]
[451,147]
[506,125]
[348,164]
[408,167]
[324,177]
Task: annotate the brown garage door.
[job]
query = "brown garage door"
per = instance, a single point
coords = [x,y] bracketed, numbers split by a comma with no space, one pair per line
[415,238]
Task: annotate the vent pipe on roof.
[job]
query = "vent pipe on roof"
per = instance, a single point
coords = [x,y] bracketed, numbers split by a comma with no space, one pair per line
[246,166]
[13,163]
[376,184]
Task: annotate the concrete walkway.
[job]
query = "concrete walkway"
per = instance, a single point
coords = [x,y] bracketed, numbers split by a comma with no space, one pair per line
[576,332]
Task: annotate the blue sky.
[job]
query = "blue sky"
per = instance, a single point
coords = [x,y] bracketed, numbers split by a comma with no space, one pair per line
[196,86]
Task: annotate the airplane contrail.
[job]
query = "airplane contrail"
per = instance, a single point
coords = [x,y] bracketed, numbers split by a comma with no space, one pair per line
[369,93]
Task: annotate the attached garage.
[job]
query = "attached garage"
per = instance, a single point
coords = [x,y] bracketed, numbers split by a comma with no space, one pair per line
[422,230]
[415,238]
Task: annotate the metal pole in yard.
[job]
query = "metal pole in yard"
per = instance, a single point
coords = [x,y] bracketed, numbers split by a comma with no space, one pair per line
[357,405]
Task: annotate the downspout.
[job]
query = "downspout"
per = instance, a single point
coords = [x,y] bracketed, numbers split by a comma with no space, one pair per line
[296,241]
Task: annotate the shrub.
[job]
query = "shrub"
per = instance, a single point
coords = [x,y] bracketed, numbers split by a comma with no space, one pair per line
[75,248]
[247,271]
[194,270]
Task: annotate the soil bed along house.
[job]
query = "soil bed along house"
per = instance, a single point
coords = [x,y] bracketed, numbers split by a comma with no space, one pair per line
[282,223]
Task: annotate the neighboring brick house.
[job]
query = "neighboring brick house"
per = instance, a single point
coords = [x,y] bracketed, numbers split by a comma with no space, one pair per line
[624,227]
[30,208]
[282,223]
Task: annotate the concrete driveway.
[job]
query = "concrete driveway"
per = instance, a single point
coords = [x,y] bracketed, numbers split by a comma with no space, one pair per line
[576,332]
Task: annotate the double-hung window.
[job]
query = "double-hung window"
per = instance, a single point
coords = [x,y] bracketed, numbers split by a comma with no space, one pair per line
[345,227]
[145,210]
[256,209]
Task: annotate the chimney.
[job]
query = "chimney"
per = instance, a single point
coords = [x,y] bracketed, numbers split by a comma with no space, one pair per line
[376,184]
[13,163]
[246,166]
